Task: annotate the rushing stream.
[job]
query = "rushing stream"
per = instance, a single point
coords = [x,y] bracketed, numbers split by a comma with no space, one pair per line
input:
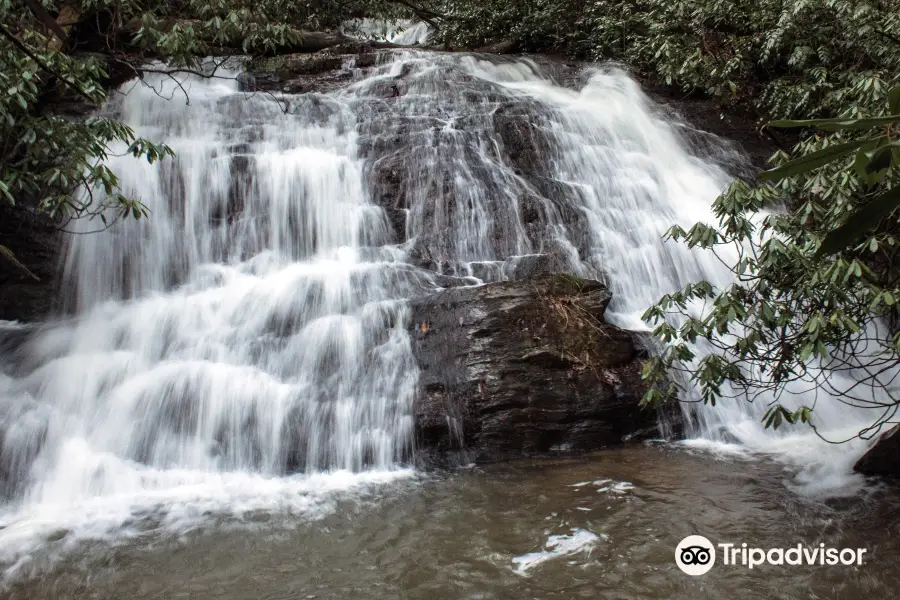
[232,386]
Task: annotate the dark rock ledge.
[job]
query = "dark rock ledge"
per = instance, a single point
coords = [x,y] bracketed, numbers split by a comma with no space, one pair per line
[526,368]
[884,457]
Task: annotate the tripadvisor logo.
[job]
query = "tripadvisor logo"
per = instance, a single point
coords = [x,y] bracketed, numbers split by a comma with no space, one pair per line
[696,555]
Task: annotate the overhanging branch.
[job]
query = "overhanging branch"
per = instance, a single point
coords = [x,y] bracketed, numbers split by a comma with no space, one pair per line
[44,67]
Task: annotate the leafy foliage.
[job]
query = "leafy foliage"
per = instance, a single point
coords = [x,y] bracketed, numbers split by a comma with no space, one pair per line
[797,59]
[817,288]
[50,161]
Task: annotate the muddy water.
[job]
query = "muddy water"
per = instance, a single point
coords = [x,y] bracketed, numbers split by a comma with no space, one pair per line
[603,526]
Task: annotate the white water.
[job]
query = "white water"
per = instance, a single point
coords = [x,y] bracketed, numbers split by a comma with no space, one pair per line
[403,33]
[236,337]
[556,546]
[256,326]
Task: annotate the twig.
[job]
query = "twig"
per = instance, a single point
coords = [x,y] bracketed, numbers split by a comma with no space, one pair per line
[9,256]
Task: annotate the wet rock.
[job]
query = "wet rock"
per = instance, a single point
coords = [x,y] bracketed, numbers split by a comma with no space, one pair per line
[246,82]
[487,271]
[504,47]
[884,457]
[731,139]
[517,267]
[36,243]
[386,181]
[364,61]
[57,535]
[318,72]
[532,265]
[526,146]
[397,219]
[526,368]
[308,64]
[296,87]
[13,341]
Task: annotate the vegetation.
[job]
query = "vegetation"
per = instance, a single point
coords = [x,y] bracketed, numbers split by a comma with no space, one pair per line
[816,292]
[780,58]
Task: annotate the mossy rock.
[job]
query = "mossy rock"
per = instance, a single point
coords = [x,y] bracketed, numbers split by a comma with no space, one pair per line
[292,65]
[270,64]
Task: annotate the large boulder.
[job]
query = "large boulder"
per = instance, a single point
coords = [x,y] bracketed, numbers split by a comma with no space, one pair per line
[525,368]
[884,457]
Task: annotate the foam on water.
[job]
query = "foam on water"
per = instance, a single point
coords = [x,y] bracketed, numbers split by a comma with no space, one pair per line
[171,501]
[556,546]
[606,486]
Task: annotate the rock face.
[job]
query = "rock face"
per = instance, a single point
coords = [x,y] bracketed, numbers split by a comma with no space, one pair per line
[411,153]
[321,72]
[35,242]
[884,457]
[522,368]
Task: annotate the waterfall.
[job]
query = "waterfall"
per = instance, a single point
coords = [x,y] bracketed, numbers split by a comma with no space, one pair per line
[247,347]
[402,33]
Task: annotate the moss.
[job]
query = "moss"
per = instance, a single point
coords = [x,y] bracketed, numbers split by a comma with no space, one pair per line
[290,66]
[270,64]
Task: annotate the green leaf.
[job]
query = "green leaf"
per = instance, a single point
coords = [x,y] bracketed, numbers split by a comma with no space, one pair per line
[882,158]
[814,160]
[839,124]
[777,414]
[871,166]
[861,221]
[4,189]
[894,99]
[802,414]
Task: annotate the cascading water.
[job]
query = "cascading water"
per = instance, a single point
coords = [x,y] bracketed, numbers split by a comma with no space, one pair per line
[247,347]
[254,328]
[402,33]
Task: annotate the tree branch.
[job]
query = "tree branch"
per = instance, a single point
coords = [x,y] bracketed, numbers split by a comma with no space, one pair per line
[49,22]
[44,67]
[424,14]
